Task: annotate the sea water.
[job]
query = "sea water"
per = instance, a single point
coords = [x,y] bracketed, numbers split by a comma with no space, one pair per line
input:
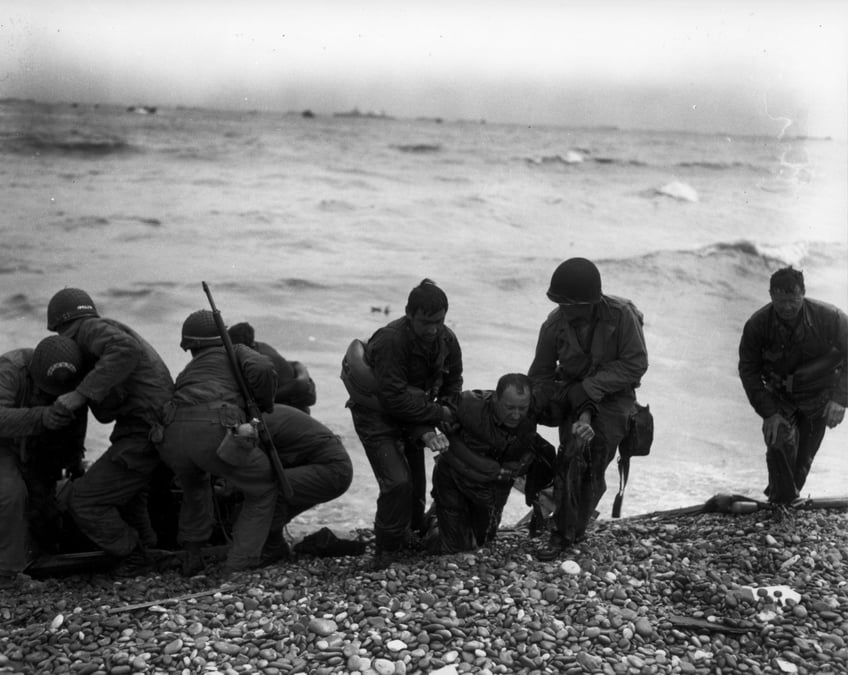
[314,229]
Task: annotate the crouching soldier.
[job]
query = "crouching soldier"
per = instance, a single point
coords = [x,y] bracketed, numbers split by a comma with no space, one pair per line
[129,384]
[39,439]
[494,442]
[208,405]
[317,467]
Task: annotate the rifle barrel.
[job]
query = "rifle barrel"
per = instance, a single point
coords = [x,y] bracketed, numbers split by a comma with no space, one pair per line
[253,410]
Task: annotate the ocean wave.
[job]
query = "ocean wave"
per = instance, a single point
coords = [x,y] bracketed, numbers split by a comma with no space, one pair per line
[787,254]
[73,143]
[570,157]
[298,283]
[721,166]
[418,148]
[676,190]
[18,305]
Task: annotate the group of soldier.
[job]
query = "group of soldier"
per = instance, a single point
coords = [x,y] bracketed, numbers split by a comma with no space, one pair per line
[240,413]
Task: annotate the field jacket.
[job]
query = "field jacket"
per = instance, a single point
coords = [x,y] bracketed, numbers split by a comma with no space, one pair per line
[414,380]
[481,445]
[615,362]
[770,351]
[128,379]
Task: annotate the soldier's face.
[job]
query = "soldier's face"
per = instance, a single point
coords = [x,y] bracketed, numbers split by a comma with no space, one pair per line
[786,304]
[427,326]
[512,406]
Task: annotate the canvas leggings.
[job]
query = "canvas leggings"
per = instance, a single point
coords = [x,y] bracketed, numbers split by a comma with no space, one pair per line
[580,469]
[398,465]
[109,502]
[189,449]
[790,458]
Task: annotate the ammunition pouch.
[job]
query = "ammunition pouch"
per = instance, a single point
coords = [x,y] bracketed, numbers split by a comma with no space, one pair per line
[640,433]
[235,450]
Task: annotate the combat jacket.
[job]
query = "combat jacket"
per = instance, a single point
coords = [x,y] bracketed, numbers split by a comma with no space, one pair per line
[208,378]
[482,445]
[128,378]
[415,379]
[615,362]
[770,350]
[21,410]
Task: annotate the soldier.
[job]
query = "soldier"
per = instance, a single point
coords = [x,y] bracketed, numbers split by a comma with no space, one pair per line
[294,386]
[39,439]
[590,357]
[792,359]
[414,367]
[208,405]
[129,384]
[493,443]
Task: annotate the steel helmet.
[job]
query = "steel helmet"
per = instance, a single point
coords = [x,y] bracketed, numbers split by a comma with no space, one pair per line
[57,365]
[200,330]
[575,280]
[67,305]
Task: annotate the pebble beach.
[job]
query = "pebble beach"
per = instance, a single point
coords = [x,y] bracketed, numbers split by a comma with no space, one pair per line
[670,592]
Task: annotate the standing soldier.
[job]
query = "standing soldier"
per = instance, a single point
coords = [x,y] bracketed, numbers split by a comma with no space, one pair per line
[39,439]
[128,384]
[792,360]
[590,357]
[412,369]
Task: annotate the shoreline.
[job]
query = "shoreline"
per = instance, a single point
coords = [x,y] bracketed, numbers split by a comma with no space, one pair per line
[678,593]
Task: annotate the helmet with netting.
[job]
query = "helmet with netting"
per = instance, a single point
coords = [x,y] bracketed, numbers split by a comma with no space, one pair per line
[57,365]
[200,330]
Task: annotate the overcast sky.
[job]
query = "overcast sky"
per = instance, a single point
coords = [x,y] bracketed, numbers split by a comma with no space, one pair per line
[739,67]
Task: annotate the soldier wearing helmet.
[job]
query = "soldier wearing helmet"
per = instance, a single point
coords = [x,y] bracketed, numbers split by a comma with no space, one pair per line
[590,357]
[39,441]
[206,406]
[128,384]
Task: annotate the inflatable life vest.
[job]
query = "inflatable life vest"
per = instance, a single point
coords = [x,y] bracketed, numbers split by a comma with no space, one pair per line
[358,378]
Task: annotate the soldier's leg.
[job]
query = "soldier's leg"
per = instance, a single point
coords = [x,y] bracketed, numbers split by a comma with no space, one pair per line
[13,525]
[780,461]
[810,436]
[100,498]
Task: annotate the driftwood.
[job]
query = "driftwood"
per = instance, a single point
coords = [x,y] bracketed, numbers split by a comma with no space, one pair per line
[170,601]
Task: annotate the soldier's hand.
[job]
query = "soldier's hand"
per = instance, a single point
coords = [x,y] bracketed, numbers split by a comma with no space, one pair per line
[582,428]
[435,441]
[771,427]
[56,417]
[834,413]
[73,400]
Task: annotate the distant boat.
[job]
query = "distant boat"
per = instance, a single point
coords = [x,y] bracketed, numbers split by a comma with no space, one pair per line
[308,114]
[370,115]
[142,109]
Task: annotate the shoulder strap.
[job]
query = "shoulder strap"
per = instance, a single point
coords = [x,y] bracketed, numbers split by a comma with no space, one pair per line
[623,474]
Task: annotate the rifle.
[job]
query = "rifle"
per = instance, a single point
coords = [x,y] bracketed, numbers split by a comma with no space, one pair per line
[253,410]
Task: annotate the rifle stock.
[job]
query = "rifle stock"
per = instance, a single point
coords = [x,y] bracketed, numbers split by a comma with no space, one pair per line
[253,410]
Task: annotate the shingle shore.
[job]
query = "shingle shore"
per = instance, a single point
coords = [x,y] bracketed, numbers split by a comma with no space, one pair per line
[663,594]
